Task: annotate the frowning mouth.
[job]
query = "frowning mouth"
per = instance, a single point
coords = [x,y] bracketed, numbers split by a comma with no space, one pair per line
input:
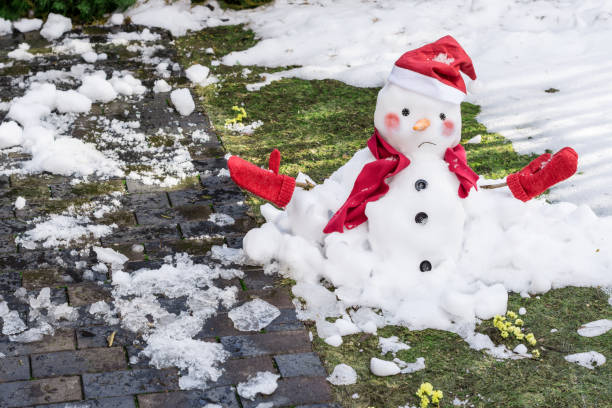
[426,142]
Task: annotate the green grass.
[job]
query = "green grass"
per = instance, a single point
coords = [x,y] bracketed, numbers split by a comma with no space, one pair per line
[317,126]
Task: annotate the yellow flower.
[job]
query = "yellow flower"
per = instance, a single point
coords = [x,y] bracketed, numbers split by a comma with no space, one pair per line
[516,331]
[511,314]
[536,353]
[519,322]
[436,396]
[426,388]
[531,339]
[424,402]
[519,336]
[504,334]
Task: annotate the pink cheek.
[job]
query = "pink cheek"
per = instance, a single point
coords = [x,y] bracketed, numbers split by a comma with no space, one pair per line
[391,121]
[449,127]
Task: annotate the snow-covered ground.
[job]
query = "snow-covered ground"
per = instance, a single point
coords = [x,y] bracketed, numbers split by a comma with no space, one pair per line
[519,50]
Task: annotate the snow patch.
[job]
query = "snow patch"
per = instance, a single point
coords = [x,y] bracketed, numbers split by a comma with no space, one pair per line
[589,359]
[596,328]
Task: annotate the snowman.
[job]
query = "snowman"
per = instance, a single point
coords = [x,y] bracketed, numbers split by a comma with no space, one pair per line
[411,179]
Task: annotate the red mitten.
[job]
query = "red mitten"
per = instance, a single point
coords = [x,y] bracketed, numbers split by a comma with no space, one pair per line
[267,184]
[542,173]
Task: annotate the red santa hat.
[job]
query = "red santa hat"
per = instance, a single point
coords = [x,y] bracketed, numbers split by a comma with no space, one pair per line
[435,70]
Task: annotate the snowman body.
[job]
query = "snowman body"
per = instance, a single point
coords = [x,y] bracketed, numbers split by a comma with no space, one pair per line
[420,221]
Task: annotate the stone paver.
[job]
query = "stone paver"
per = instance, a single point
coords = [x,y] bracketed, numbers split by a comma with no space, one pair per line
[77,362]
[224,396]
[48,390]
[63,339]
[14,368]
[75,367]
[129,382]
[267,344]
[113,402]
[303,364]
[294,391]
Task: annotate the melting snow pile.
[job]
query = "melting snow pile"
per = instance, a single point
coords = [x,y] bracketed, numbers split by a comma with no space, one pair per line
[170,336]
[72,226]
[43,316]
[507,246]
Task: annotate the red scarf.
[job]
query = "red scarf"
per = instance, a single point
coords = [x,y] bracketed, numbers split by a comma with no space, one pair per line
[370,184]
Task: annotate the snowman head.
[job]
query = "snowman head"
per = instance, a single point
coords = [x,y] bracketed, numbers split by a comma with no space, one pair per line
[418,110]
[413,123]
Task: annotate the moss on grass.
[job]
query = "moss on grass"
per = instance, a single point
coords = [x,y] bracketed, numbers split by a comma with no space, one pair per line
[318,126]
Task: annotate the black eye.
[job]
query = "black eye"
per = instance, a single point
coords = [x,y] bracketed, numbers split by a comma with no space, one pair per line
[442,116]
[405,112]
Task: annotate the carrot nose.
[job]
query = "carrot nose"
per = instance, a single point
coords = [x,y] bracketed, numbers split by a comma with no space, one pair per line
[421,124]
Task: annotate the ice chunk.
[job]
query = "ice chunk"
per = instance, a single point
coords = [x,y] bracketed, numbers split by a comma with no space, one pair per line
[110,256]
[383,368]
[21,53]
[197,74]
[6,27]
[72,101]
[475,140]
[161,86]
[522,311]
[12,323]
[264,382]
[596,328]
[27,24]
[391,345]
[55,26]
[589,359]
[227,255]
[221,219]
[127,85]
[334,340]
[116,19]
[97,88]
[20,203]
[343,375]
[254,315]
[520,349]
[182,101]
[11,134]
[407,368]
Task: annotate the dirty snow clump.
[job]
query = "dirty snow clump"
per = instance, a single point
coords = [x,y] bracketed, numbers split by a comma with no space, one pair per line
[55,26]
[343,375]
[264,382]
[254,315]
[182,101]
[169,337]
[589,359]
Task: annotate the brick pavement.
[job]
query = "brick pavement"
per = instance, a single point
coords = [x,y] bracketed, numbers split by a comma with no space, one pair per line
[76,364]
